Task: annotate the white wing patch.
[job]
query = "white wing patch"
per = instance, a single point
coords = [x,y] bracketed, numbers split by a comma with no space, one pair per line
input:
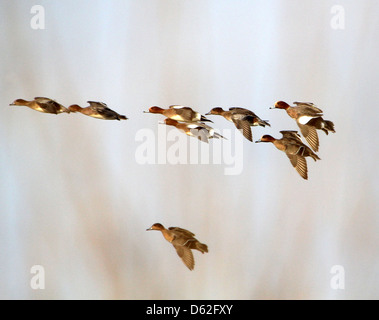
[304,119]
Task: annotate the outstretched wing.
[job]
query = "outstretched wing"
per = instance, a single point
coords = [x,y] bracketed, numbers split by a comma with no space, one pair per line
[310,134]
[182,231]
[309,107]
[186,255]
[291,134]
[300,164]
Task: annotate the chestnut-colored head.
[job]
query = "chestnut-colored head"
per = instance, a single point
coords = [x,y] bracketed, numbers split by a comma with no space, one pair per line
[156,226]
[266,138]
[216,111]
[280,105]
[19,102]
[170,122]
[155,109]
[74,108]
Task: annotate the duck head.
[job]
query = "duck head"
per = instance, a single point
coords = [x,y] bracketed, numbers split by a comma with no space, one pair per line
[216,111]
[280,105]
[154,109]
[19,102]
[156,226]
[266,138]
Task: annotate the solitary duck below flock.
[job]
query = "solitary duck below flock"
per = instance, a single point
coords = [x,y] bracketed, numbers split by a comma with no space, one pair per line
[295,150]
[42,104]
[242,118]
[309,119]
[183,241]
[198,130]
[98,110]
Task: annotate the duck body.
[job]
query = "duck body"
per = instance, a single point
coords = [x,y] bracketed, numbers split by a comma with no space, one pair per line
[42,104]
[242,118]
[309,119]
[98,110]
[295,150]
[183,241]
[198,130]
[179,113]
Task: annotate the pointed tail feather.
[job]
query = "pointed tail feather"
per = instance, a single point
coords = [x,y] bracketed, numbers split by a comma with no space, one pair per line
[263,123]
[204,119]
[202,247]
[329,126]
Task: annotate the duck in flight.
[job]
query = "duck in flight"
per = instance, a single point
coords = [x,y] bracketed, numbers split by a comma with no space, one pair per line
[183,241]
[242,118]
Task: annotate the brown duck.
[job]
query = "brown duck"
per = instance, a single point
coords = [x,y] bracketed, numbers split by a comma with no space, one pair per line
[242,118]
[41,104]
[295,150]
[98,110]
[309,119]
[198,130]
[183,241]
[179,113]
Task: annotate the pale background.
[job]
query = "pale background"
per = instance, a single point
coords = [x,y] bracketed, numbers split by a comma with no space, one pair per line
[74,200]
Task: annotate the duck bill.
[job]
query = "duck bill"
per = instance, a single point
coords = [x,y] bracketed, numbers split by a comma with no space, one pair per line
[258,141]
[273,107]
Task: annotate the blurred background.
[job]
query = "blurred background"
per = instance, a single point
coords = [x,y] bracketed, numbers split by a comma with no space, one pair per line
[75,201]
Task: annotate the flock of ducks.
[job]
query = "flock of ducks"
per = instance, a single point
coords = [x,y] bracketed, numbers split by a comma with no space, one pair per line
[307,116]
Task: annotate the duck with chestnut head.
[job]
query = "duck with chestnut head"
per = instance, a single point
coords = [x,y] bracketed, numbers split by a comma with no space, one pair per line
[42,104]
[184,242]
[242,118]
[98,110]
[294,148]
[309,119]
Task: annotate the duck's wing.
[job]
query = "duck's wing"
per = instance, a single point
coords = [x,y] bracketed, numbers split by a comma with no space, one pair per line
[309,108]
[199,132]
[175,106]
[185,112]
[182,231]
[241,111]
[310,134]
[50,105]
[300,164]
[295,153]
[242,123]
[43,100]
[291,134]
[185,254]
[97,104]
[102,109]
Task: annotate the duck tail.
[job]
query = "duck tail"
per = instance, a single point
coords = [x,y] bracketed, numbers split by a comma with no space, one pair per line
[204,119]
[219,136]
[263,123]
[202,247]
[328,126]
[120,117]
[314,156]
[321,124]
